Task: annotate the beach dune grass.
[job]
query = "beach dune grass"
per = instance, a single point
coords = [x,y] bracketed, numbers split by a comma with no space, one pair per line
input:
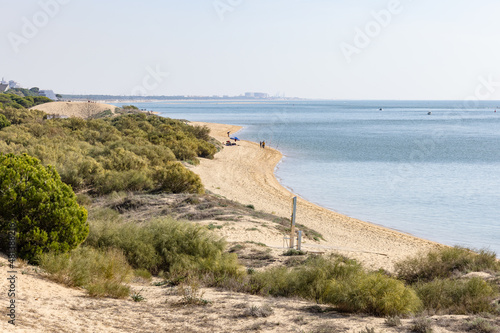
[457,296]
[446,262]
[437,279]
[341,282]
[373,293]
[181,250]
[102,273]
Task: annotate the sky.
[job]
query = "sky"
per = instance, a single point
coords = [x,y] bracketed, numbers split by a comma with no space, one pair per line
[318,49]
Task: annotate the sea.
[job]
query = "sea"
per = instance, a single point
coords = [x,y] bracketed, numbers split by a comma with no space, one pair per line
[427,168]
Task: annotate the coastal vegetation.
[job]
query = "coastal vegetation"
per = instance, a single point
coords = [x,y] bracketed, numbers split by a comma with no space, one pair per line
[131,152]
[179,250]
[124,166]
[39,207]
[104,273]
[17,101]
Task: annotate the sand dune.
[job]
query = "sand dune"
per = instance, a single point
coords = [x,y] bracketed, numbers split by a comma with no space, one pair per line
[245,173]
[74,109]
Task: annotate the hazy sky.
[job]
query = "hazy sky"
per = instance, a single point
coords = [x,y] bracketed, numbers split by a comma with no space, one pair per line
[334,49]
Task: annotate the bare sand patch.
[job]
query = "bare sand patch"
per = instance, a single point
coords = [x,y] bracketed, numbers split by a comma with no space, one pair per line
[74,109]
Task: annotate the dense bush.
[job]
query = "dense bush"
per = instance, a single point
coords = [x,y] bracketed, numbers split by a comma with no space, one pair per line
[19,116]
[18,102]
[180,249]
[340,282]
[43,209]
[102,273]
[4,122]
[444,263]
[373,293]
[174,178]
[457,296]
[436,276]
[131,152]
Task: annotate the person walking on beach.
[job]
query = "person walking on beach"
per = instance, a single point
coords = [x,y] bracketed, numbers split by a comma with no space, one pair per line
[228,133]
[263,144]
[260,144]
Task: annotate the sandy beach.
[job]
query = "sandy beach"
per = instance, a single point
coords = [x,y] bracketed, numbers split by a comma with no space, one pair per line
[245,173]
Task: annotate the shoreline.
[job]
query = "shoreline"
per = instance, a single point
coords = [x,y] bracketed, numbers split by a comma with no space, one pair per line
[245,173]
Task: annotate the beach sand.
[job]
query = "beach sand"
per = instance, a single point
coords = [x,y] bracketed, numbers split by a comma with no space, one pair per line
[245,173]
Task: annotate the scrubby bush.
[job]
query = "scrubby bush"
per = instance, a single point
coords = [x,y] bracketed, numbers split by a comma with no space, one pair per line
[174,178]
[42,209]
[19,115]
[338,281]
[421,325]
[444,262]
[4,122]
[114,181]
[19,101]
[373,293]
[180,249]
[102,273]
[131,152]
[457,296]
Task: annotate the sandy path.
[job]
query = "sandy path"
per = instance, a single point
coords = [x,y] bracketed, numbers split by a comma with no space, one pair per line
[245,173]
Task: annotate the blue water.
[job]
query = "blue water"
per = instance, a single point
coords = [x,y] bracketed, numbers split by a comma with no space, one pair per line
[434,176]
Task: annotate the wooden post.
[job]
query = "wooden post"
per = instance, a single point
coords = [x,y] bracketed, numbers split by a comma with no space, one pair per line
[299,240]
[292,231]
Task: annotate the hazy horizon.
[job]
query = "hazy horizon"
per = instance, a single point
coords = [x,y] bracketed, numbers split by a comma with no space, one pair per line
[315,49]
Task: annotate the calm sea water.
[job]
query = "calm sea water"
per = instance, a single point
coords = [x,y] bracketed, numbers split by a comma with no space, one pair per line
[435,176]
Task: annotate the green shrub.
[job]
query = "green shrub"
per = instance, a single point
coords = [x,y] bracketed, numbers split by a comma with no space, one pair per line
[114,181]
[133,152]
[293,252]
[143,274]
[338,281]
[137,297]
[308,280]
[19,115]
[42,208]
[102,273]
[444,262]
[4,122]
[174,178]
[180,249]
[461,296]
[372,293]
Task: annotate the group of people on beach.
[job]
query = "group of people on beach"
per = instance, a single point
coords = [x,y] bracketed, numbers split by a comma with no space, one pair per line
[261,143]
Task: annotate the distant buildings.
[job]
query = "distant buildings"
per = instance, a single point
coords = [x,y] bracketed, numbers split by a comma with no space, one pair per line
[4,86]
[256,95]
[13,84]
